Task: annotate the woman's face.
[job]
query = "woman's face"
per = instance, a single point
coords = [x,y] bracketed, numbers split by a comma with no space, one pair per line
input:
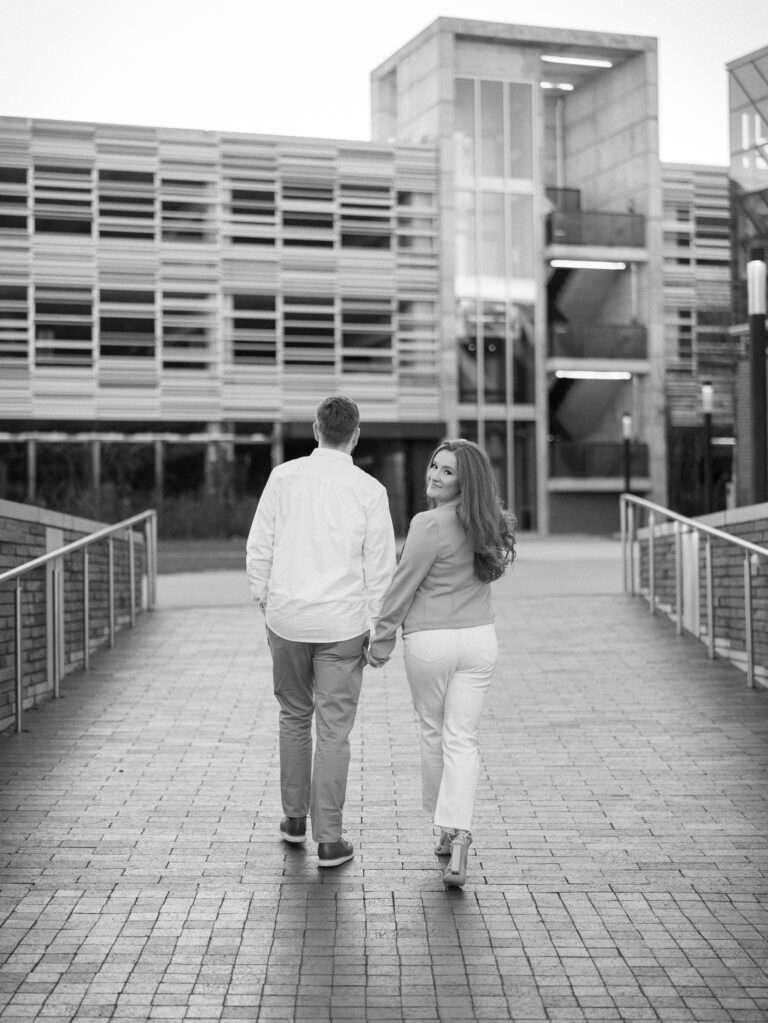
[442,478]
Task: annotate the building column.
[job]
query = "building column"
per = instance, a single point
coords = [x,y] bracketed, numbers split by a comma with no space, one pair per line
[96,463]
[277,448]
[159,483]
[212,471]
[31,471]
[219,460]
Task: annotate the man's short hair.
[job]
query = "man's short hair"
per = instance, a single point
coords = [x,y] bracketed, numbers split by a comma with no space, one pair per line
[337,419]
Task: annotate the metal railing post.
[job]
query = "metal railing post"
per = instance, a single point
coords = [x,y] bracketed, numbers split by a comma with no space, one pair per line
[153,529]
[710,599]
[111,588]
[132,576]
[678,580]
[632,547]
[748,620]
[623,528]
[57,614]
[86,613]
[150,548]
[19,659]
[651,563]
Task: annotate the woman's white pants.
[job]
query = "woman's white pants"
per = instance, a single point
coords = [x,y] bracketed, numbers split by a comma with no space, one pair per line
[449,671]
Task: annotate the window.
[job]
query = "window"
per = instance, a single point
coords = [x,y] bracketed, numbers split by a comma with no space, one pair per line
[308,333]
[416,228]
[366,335]
[520,329]
[685,335]
[126,204]
[63,199]
[307,211]
[252,213]
[464,128]
[503,146]
[14,316]
[253,329]
[187,210]
[188,319]
[716,227]
[366,216]
[13,199]
[494,352]
[496,449]
[63,326]
[520,119]
[503,334]
[519,210]
[467,337]
[417,347]
[491,130]
[492,255]
[466,261]
[126,323]
[524,448]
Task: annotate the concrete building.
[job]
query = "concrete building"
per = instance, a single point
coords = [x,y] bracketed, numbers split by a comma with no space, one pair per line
[174,303]
[748,102]
[701,352]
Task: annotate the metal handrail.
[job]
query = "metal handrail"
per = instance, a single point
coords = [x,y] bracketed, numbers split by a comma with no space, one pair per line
[629,537]
[108,533]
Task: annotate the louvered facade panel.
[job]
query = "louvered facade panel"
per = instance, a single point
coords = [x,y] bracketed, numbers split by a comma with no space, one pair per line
[237,272]
[697,288]
[65,394]
[136,265]
[189,397]
[161,261]
[252,396]
[300,396]
[139,376]
[16,393]
[129,404]
[419,405]
[162,283]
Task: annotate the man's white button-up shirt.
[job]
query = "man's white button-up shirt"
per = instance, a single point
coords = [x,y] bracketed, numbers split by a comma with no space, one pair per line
[321,548]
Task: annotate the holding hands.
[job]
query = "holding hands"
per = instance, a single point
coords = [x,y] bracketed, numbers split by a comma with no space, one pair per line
[376,654]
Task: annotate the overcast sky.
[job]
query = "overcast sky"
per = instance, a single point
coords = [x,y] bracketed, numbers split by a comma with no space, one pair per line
[301,67]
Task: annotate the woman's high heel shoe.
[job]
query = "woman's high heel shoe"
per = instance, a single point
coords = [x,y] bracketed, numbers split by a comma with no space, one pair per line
[455,874]
[443,847]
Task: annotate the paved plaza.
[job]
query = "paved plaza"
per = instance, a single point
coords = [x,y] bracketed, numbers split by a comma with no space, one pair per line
[619,870]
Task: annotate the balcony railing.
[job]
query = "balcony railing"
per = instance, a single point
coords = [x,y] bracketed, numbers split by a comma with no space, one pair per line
[64,604]
[603,341]
[566,200]
[605,459]
[694,573]
[596,228]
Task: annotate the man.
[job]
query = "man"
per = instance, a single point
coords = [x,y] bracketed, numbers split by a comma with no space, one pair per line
[319,556]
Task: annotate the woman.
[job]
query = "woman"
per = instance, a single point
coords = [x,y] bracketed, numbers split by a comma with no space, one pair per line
[441,595]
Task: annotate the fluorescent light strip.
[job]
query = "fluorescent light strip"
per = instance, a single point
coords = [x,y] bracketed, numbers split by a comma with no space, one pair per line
[587,264]
[593,374]
[563,86]
[576,61]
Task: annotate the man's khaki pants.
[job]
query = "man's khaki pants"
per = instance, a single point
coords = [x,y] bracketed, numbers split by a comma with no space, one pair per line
[320,679]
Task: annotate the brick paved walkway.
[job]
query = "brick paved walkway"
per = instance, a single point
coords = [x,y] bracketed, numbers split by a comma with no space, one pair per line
[618,872]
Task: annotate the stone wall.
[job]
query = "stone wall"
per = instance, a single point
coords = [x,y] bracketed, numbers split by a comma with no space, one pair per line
[26,533]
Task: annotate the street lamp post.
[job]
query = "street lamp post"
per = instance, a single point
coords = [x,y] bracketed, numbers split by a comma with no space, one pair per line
[707,402]
[756,308]
[626,433]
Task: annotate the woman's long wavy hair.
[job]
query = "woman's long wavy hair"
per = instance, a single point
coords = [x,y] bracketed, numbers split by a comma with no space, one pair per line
[490,529]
